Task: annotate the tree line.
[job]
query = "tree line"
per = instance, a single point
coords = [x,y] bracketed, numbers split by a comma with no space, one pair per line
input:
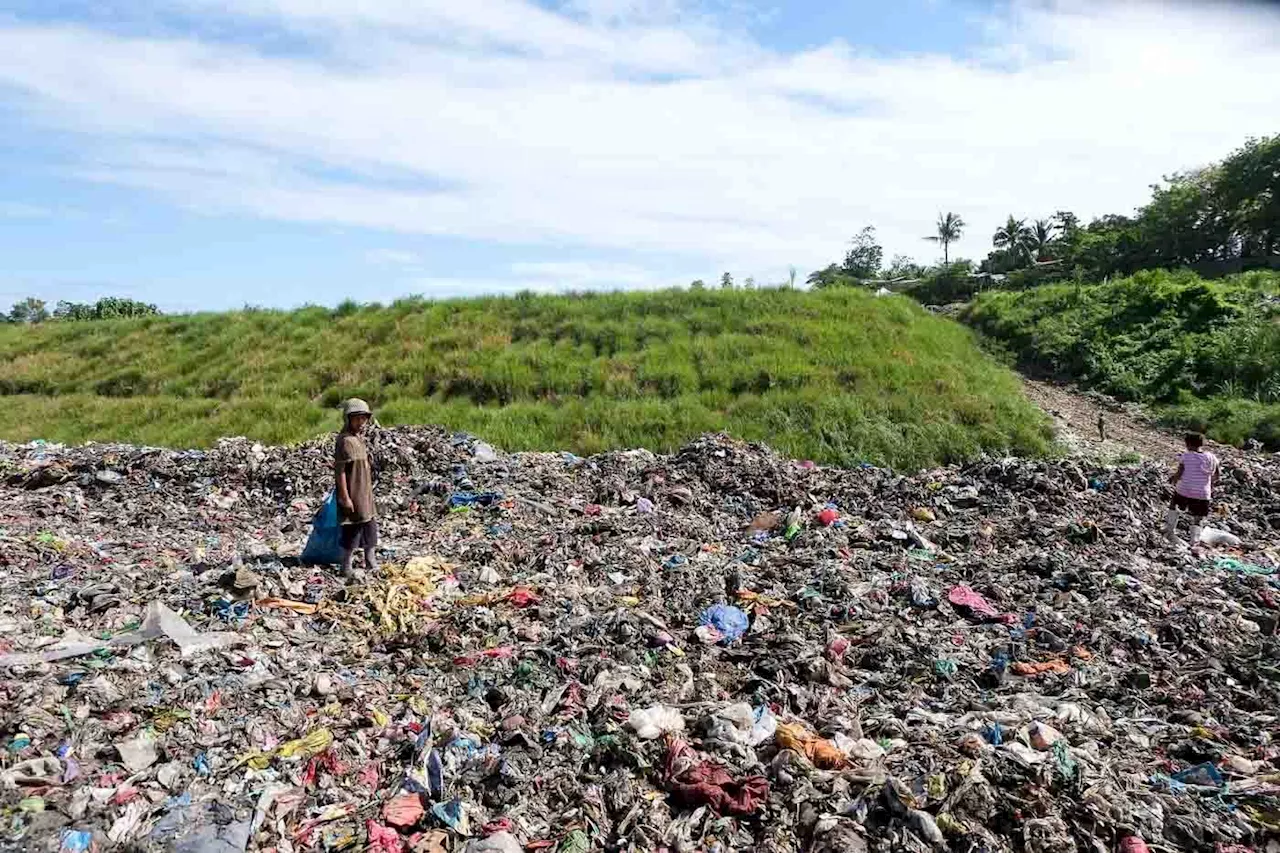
[33,310]
[1225,216]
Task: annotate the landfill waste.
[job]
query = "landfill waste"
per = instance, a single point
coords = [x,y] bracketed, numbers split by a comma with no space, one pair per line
[719,649]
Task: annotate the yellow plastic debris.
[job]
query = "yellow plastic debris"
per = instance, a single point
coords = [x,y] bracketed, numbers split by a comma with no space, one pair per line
[311,744]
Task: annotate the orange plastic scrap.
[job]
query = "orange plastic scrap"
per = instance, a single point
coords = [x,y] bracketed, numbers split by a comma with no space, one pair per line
[1057,667]
[285,604]
[823,753]
[403,811]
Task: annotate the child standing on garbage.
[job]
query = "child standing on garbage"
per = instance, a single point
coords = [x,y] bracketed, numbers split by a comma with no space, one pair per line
[1193,487]
[353,487]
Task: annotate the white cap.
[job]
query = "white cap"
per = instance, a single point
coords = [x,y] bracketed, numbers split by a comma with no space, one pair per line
[355,406]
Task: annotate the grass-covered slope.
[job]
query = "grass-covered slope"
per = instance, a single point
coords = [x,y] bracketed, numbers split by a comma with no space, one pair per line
[1205,354]
[836,376]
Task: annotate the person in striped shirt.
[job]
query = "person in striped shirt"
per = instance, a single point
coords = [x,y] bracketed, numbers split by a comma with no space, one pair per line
[1193,488]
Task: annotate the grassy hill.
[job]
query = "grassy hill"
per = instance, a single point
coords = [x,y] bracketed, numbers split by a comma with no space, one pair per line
[1205,354]
[836,376]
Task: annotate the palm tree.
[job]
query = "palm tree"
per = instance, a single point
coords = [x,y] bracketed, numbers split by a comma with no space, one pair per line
[950,226]
[1014,238]
[1042,238]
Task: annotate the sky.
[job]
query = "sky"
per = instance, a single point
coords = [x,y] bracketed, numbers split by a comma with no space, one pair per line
[212,154]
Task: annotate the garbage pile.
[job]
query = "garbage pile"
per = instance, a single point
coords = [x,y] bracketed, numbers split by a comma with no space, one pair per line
[718,650]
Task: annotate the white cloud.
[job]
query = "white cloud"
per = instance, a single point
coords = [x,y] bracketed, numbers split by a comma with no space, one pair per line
[638,125]
[393,258]
[550,277]
[18,210]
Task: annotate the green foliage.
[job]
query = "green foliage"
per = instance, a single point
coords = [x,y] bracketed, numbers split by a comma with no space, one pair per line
[107,308]
[949,228]
[29,310]
[903,267]
[1207,352]
[942,285]
[838,375]
[1042,239]
[864,258]
[1223,218]
[1014,239]
[832,276]
[32,310]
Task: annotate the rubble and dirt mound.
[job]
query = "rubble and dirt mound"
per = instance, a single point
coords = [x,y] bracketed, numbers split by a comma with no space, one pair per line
[717,650]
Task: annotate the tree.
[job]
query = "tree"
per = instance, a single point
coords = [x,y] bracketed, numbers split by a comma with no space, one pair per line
[750,283]
[1042,239]
[698,284]
[903,267]
[864,259]
[726,282]
[832,276]
[1247,189]
[107,308]
[1014,239]
[1067,225]
[113,307]
[29,310]
[950,227]
[73,311]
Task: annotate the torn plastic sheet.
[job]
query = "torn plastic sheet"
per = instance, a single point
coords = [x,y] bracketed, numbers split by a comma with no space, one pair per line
[158,622]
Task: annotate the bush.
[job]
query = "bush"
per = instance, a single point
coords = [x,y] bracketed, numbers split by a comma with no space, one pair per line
[1207,352]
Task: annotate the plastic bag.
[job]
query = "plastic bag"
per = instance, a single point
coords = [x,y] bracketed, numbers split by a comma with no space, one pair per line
[728,623]
[324,545]
[823,753]
[654,722]
[1214,538]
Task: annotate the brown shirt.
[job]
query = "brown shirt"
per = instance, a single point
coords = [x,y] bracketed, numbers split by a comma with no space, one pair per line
[352,453]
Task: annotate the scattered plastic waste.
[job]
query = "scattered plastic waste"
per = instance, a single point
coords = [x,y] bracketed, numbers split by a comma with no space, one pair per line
[992,657]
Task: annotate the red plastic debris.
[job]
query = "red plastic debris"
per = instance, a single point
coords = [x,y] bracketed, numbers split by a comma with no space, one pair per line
[403,811]
[705,783]
[383,839]
[972,604]
[522,596]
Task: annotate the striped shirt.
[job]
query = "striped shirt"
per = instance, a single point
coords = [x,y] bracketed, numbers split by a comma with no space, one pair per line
[1198,468]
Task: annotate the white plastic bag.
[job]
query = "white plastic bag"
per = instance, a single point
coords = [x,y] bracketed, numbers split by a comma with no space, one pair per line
[654,722]
[1215,538]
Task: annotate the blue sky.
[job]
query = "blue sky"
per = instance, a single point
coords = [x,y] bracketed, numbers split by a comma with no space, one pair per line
[207,154]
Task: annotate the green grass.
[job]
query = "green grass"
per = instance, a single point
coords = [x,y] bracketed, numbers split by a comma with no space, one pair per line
[1204,354]
[838,376]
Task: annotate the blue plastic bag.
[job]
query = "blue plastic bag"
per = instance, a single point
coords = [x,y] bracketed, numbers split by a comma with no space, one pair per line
[324,545]
[728,620]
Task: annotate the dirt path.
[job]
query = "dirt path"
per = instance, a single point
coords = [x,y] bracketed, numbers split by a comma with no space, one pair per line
[1076,417]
